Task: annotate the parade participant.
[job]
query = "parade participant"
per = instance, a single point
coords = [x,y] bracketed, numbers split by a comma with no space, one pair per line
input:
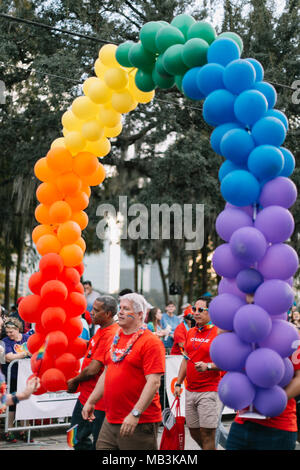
[169,322]
[102,314]
[202,376]
[181,330]
[130,383]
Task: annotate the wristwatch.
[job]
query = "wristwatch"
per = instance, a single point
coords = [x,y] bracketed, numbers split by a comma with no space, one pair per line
[136,413]
[14,398]
[209,366]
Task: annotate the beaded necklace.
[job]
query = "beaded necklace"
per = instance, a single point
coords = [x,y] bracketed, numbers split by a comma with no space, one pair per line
[118,357]
[208,327]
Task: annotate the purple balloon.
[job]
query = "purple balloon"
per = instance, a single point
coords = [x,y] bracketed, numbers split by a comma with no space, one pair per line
[229,220]
[248,209]
[248,280]
[236,391]
[279,191]
[280,262]
[282,316]
[229,352]
[225,263]
[270,402]
[229,286]
[264,367]
[275,296]
[283,338]
[288,372]
[222,310]
[276,223]
[248,245]
[252,323]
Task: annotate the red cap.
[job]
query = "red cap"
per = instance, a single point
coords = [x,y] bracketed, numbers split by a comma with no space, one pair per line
[188,311]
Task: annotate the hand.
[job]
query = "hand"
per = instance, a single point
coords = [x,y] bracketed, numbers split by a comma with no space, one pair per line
[72,386]
[31,386]
[88,412]
[201,366]
[177,391]
[128,426]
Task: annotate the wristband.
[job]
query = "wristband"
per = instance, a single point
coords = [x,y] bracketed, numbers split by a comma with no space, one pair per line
[177,385]
[14,398]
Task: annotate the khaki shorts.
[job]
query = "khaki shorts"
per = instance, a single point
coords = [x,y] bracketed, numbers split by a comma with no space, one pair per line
[143,438]
[202,409]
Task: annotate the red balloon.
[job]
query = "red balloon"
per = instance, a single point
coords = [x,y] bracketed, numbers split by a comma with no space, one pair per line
[68,364]
[53,318]
[30,308]
[70,277]
[79,288]
[73,328]
[35,283]
[53,380]
[77,347]
[35,341]
[39,366]
[80,268]
[57,343]
[54,293]
[76,304]
[40,390]
[51,265]
[40,329]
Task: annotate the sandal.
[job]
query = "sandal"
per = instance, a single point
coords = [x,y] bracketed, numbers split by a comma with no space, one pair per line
[9,437]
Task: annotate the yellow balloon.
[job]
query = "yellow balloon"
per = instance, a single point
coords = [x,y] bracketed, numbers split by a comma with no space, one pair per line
[84,108]
[113,131]
[108,117]
[74,142]
[92,130]
[100,148]
[65,132]
[123,102]
[100,68]
[99,92]
[107,55]
[70,121]
[86,85]
[116,78]
[60,142]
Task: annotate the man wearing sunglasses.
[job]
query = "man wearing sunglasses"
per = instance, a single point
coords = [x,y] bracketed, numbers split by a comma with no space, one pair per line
[202,404]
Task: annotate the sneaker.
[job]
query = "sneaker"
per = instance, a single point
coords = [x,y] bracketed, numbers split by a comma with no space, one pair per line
[9,437]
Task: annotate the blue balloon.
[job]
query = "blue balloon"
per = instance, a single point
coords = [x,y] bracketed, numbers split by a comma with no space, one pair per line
[239,76]
[269,91]
[227,167]
[219,132]
[250,106]
[279,115]
[210,78]
[223,51]
[236,145]
[189,84]
[240,188]
[265,162]
[248,280]
[258,69]
[289,162]
[269,130]
[218,107]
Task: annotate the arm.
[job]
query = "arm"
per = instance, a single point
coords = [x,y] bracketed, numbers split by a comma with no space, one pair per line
[86,374]
[97,393]
[181,377]
[32,385]
[293,388]
[151,387]
[9,357]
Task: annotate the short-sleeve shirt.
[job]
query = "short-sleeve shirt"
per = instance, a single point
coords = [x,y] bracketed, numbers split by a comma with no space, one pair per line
[98,346]
[14,347]
[171,321]
[180,335]
[125,380]
[197,348]
[287,420]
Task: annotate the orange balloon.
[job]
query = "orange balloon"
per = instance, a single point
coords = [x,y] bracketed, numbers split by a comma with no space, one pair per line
[59,159]
[42,214]
[81,218]
[39,231]
[78,202]
[72,255]
[96,178]
[85,188]
[43,172]
[47,193]
[85,163]
[68,232]
[60,212]
[69,183]
[81,243]
[48,244]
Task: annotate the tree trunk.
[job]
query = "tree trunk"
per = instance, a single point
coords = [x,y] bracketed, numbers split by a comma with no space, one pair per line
[7,275]
[192,277]
[19,261]
[163,279]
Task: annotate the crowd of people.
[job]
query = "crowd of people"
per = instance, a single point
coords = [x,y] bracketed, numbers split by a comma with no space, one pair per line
[121,382]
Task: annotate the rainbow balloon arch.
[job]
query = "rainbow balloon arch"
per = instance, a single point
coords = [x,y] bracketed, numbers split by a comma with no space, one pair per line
[254,178]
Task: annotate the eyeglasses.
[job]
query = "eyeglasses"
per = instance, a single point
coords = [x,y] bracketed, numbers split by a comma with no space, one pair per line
[200,309]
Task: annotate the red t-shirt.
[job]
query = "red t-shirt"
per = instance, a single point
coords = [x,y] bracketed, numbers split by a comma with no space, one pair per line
[179,337]
[197,348]
[287,420]
[125,380]
[98,346]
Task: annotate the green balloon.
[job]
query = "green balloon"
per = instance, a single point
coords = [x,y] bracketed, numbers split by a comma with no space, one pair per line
[144,81]
[168,36]
[194,53]
[122,53]
[183,22]
[162,82]
[172,60]
[159,67]
[235,37]
[148,34]
[178,82]
[202,30]
[140,58]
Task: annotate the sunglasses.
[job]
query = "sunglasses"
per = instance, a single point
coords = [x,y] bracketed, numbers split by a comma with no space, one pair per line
[200,309]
